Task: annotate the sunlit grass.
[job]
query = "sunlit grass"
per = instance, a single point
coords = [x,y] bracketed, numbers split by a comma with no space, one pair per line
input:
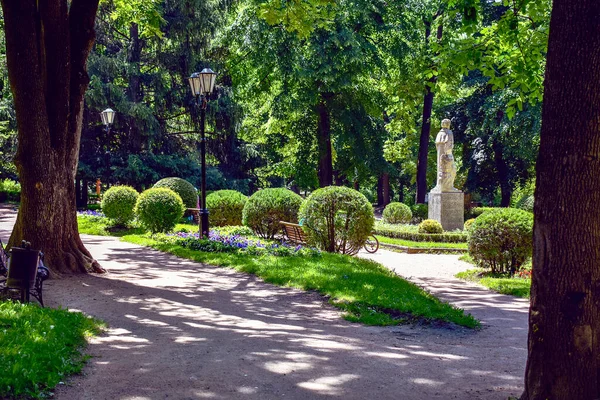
[422,245]
[39,347]
[515,286]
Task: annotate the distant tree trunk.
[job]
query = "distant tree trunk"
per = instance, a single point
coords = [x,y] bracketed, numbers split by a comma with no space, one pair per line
[356,184]
[47,45]
[401,192]
[134,57]
[426,126]
[564,319]
[379,191]
[324,145]
[385,188]
[503,174]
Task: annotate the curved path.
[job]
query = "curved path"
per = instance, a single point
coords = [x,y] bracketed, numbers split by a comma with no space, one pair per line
[184,330]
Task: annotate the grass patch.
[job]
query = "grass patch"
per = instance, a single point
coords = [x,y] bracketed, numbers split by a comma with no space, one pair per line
[422,245]
[359,287]
[365,290]
[519,287]
[39,347]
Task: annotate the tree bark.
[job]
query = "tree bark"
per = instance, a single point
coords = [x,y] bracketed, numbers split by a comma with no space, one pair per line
[47,45]
[503,174]
[385,189]
[564,319]
[426,125]
[324,145]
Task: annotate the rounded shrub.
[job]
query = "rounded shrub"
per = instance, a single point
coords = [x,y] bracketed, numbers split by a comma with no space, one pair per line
[226,207]
[337,219]
[265,208]
[430,226]
[118,204]
[183,188]
[397,213]
[468,224]
[502,240]
[159,209]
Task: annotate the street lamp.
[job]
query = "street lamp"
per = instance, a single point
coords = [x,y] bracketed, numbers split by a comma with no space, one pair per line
[107,116]
[202,84]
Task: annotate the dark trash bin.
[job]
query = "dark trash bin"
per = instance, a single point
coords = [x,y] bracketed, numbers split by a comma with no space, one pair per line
[22,270]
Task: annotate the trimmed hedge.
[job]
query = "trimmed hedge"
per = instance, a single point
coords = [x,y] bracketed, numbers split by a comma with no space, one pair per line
[431,226]
[10,190]
[265,208]
[397,213]
[159,209]
[226,207]
[502,240]
[337,219]
[118,204]
[402,232]
[477,211]
[183,188]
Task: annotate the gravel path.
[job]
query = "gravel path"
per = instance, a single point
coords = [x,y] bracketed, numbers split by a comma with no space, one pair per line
[185,330]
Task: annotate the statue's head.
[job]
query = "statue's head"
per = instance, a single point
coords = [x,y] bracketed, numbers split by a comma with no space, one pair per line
[446,123]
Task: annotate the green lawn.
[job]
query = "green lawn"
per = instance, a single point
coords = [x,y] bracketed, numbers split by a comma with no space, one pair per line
[422,245]
[365,290]
[39,347]
[519,287]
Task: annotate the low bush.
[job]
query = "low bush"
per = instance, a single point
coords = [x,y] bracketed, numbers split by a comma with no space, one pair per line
[411,232]
[525,203]
[265,208]
[397,213]
[502,240]
[183,188]
[159,209]
[226,207]
[477,211]
[337,219]
[10,190]
[430,226]
[468,224]
[233,230]
[420,212]
[118,204]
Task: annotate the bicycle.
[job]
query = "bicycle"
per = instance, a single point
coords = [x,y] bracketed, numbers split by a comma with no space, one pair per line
[372,244]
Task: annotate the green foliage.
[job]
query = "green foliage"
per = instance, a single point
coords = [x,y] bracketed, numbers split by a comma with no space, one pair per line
[233,230]
[39,347]
[411,232]
[502,240]
[183,188]
[397,213]
[468,224]
[422,244]
[513,286]
[477,211]
[226,207]
[159,209]
[118,204]
[10,190]
[431,226]
[363,289]
[265,208]
[337,219]
[420,211]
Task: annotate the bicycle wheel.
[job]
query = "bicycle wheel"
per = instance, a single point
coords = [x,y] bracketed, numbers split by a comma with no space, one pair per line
[372,244]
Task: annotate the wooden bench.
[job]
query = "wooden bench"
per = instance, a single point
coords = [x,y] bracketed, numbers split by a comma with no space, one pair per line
[293,233]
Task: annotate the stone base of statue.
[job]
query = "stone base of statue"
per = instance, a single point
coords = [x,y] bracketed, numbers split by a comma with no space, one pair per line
[448,208]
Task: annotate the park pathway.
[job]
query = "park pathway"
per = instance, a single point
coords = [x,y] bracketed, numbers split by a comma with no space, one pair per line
[184,330]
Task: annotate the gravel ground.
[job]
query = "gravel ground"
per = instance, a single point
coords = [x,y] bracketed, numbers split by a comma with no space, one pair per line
[184,330]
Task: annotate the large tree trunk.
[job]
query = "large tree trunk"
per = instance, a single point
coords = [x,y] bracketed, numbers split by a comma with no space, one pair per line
[47,45]
[324,145]
[564,319]
[426,125]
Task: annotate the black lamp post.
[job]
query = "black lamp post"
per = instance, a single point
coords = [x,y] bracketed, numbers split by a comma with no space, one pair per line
[202,84]
[108,116]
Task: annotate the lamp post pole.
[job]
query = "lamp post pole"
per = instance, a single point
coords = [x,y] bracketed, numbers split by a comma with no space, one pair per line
[108,117]
[203,210]
[202,84]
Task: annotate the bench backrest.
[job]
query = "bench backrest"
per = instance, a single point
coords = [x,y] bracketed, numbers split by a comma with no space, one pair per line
[293,232]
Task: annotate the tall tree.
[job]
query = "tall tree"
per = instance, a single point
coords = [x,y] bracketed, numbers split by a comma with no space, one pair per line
[564,323]
[47,45]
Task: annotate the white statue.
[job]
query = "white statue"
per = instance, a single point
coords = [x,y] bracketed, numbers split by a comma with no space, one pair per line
[446,168]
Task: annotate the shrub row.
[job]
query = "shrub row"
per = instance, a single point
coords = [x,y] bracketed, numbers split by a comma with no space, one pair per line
[401,232]
[10,190]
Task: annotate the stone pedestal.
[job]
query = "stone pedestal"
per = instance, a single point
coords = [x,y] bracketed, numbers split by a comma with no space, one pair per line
[448,208]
